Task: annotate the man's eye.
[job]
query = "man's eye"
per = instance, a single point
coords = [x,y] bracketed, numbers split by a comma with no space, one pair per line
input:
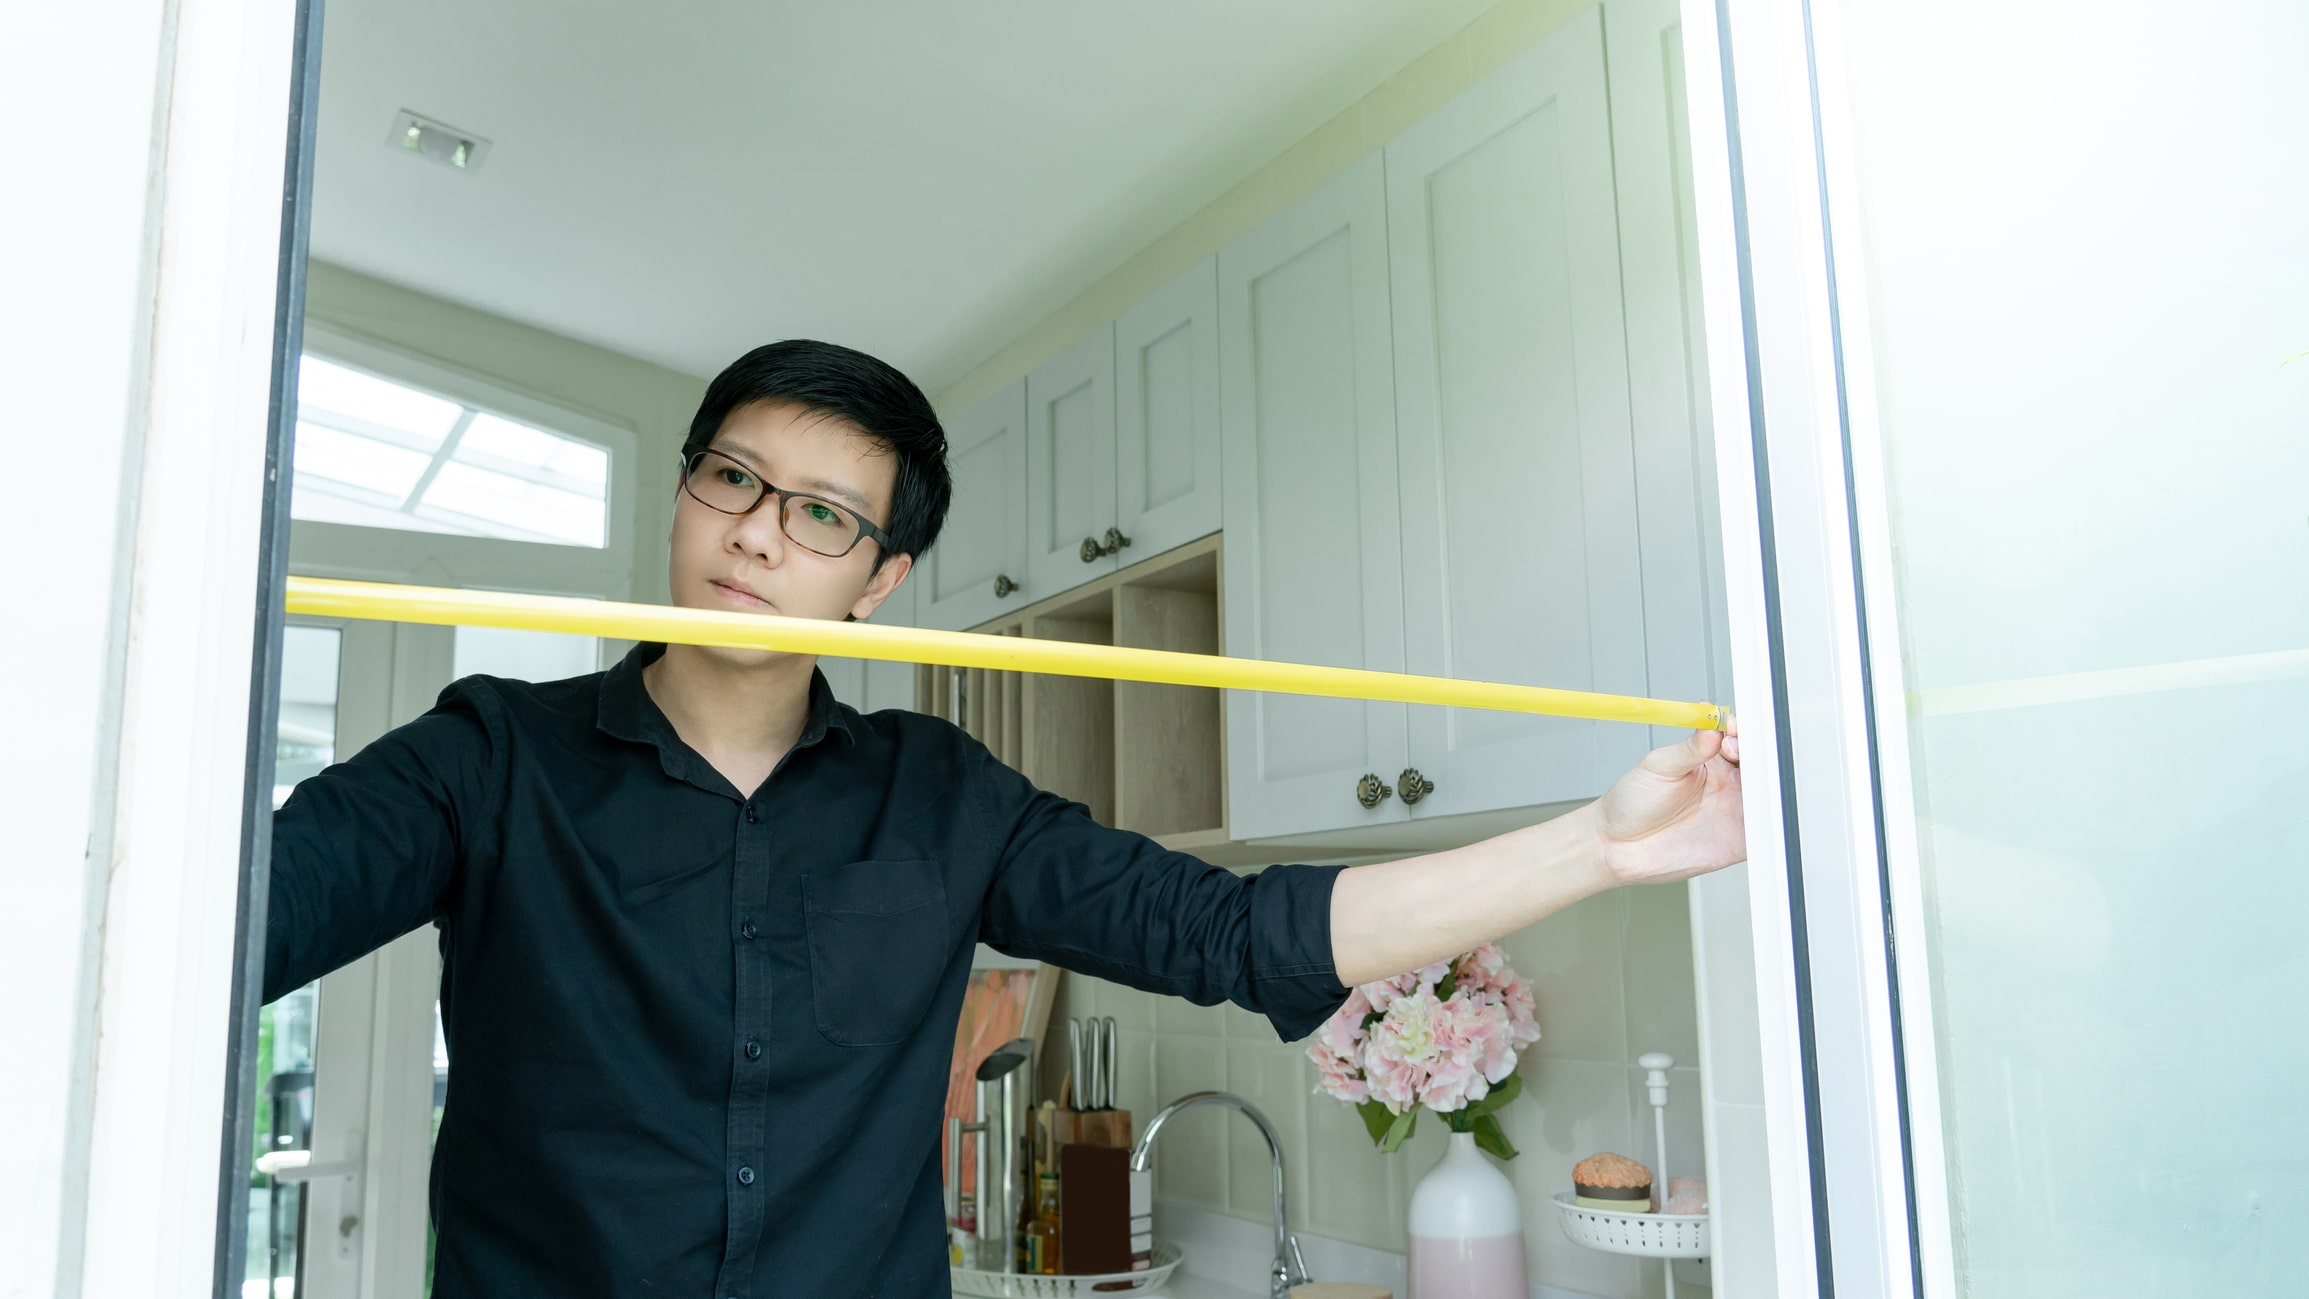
[823,514]
[736,477]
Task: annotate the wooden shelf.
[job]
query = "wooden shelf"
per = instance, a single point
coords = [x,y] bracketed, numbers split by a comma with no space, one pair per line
[1149,758]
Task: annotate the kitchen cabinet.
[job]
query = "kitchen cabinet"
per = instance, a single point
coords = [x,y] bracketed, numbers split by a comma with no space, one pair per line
[1166,421]
[1313,559]
[1140,756]
[978,567]
[1687,637]
[1122,439]
[1431,462]
[1512,426]
[1070,466]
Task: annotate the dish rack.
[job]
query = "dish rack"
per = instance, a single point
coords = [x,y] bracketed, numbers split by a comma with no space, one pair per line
[1028,1285]
[1646,1235]
[1667,1236]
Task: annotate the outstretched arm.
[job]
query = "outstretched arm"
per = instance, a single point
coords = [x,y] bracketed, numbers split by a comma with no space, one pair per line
[1674,815]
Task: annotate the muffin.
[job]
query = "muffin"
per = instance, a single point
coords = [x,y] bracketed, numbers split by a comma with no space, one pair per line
[1612,1182]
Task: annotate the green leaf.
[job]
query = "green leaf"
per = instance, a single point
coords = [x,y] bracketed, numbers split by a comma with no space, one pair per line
[1502,1092]
[1399,1131]
[1449,985]
[1376,1120]
[1490,1137]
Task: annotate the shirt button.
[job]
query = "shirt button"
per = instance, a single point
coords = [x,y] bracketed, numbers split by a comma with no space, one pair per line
[753,1049]
[748,932]
[745,1175]
[751,815]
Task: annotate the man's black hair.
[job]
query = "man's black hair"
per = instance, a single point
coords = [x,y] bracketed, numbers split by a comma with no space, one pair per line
[845,384]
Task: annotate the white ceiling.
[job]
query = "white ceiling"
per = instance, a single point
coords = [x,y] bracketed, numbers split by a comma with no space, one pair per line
[926,181]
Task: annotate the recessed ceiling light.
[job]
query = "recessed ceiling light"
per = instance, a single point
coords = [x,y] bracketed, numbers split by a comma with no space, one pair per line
[437,141]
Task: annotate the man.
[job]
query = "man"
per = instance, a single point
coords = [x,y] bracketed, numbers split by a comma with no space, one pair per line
[705,931]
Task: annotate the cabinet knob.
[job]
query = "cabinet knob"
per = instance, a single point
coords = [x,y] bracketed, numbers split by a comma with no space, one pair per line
[1004,588]
[1370,792]
[1414,785]
[1092,551]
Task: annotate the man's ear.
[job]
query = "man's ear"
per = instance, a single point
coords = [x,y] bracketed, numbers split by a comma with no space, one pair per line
[886,579]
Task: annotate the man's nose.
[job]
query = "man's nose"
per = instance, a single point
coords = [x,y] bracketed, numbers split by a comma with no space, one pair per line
[758,534]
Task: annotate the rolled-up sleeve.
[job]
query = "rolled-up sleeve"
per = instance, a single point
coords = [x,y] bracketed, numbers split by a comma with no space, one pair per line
[368,849]
[1116,905]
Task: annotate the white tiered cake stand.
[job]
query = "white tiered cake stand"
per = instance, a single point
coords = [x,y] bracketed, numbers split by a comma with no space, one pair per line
[1666,1236]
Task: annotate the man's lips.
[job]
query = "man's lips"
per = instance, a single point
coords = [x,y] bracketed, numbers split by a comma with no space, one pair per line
[741,596]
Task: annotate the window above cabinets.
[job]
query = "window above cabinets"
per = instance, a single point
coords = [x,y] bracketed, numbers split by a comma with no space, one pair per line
[404,465]
[378,453]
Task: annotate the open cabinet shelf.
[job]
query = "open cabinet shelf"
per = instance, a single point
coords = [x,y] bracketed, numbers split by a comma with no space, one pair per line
[1149,758]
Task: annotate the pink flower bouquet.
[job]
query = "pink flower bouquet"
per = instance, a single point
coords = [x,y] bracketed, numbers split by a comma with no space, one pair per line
[1445,1036]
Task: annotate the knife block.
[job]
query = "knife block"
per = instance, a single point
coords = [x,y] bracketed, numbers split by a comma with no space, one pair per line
[1091,1128]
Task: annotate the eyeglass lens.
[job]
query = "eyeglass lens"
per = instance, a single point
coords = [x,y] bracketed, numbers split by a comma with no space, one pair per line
[811,522]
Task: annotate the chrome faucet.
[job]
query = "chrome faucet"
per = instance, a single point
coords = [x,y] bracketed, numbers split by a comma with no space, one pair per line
[1289,1269]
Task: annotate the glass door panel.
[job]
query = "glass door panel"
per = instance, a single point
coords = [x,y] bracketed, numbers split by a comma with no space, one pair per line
[304,742]
[2083,299]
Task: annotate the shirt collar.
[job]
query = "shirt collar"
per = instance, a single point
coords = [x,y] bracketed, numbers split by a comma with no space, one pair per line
[627,712]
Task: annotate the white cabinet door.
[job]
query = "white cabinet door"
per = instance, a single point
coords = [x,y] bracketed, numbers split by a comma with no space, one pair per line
[1166,381]
[1518,493]
[978,567]
[1070,464]
[1686,634]
[1313,571]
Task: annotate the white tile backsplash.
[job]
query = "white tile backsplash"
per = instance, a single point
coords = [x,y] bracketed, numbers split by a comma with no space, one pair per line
[1612,980]
[1573,959]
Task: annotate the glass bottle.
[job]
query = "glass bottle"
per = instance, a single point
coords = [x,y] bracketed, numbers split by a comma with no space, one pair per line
[1042,1241]
[962,1250]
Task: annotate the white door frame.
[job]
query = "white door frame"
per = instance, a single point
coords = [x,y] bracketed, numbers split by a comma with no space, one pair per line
[145,914]
[141,290]
[1859,1196]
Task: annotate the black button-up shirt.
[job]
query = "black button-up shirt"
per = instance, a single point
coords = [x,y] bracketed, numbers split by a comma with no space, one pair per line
[700,1037]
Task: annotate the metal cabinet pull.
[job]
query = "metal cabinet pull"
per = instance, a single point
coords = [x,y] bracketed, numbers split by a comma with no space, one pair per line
[1004,588]
[1414,785]
[1092,551]
[1371,792]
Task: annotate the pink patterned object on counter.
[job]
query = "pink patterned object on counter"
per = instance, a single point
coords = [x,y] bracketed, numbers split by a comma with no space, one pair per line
[1686,1195]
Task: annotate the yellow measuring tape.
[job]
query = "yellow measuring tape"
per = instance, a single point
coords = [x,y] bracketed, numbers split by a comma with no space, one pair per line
[642,622]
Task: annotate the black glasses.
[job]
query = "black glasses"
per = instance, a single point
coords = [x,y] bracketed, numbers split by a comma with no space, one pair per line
[814,523]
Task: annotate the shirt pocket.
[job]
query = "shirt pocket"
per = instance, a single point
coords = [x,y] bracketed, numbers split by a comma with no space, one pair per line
[878,939]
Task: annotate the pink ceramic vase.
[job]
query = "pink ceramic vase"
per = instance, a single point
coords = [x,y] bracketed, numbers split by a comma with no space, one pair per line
[1466,1229]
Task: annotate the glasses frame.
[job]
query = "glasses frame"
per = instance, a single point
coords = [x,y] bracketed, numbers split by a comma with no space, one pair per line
[866,527]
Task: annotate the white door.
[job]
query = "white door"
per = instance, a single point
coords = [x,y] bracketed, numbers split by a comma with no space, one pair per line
[1313,569]
[978,567]
[1166,420]
[1518,487]
[1070,466]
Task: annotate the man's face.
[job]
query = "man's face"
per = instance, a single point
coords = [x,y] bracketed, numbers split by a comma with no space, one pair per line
[745,563]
